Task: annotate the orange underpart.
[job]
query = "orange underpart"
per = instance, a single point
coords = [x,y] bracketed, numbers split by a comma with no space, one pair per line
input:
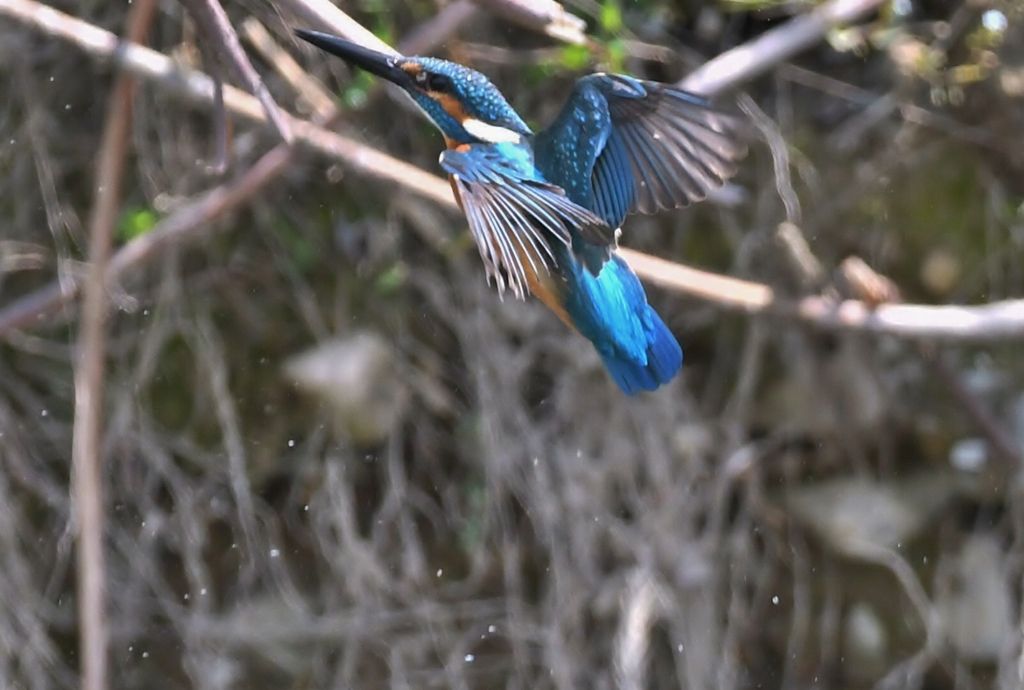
[544,286]
[455,191]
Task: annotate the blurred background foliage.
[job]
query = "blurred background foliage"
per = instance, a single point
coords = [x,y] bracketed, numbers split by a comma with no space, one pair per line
[336,459]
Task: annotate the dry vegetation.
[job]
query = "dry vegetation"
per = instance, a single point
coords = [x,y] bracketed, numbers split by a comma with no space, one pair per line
[447,491]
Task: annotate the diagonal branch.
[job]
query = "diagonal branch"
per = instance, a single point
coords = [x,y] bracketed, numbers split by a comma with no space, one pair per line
[756,57]
[327,15]
[219,33]
[999,320]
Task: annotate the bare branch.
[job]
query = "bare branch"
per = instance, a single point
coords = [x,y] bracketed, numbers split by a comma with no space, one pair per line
[309,89]
[545,16]
[87,443]
[327,15]
[752,59]
[994,321]
[218,31]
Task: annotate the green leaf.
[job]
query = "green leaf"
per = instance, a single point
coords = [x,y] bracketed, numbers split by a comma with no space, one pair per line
[617,55]
[611,16]
[391,279]
[136,222]
[575,57]
[355,95]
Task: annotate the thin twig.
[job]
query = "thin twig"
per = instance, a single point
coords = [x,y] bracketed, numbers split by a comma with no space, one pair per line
[87,441]
[780,157]
[977,136]
[1006,448]
[309,89]
[802,260]
[177,229]
[221,132]
[217,31]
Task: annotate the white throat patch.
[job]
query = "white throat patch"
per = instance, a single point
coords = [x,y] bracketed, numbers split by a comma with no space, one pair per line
[492,134]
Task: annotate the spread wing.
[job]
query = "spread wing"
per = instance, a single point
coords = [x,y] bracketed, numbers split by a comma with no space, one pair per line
[665,149]
[515,216]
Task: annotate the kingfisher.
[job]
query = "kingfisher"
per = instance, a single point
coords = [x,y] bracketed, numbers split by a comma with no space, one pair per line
[546,208]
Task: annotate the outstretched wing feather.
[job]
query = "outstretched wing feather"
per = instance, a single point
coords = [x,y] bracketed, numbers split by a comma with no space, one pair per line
[673,146]
[514,216]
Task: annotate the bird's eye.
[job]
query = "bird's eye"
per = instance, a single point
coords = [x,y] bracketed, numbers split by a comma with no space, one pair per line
[438,82]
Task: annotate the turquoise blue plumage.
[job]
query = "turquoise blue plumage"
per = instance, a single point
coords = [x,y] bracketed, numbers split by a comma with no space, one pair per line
[545,209]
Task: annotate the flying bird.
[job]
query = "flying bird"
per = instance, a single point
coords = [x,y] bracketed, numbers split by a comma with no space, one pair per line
[545,208]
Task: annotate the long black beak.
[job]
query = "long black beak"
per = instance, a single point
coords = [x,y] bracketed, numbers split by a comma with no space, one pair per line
[382,65]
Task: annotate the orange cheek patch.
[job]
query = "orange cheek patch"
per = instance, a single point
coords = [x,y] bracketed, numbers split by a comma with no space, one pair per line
[451,105]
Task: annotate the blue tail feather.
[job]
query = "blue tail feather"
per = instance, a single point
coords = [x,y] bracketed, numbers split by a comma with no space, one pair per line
[611,310]
[664,357]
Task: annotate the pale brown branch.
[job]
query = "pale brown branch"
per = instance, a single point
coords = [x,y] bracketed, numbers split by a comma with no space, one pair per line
[87,441]
[546,16]
[994,321]
[325,14]
[752,59]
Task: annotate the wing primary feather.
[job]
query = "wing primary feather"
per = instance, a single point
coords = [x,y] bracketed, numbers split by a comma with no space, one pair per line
[667,148]
[479,225]
[538,241]
[706,165]
[505,218]
[515,216]
[696,149]
[523,232]
[657,186]
[691,176]
[497,234]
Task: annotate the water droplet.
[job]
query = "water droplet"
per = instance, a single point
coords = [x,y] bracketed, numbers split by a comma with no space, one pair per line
[45,413]
[274,553]
[291,443]
[775,600]
[492,629]
[439,572]
[145,655]
[994,20]
[469,658]
[202,592]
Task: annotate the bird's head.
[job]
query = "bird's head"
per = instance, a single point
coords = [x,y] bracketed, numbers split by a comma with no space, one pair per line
[461,102]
